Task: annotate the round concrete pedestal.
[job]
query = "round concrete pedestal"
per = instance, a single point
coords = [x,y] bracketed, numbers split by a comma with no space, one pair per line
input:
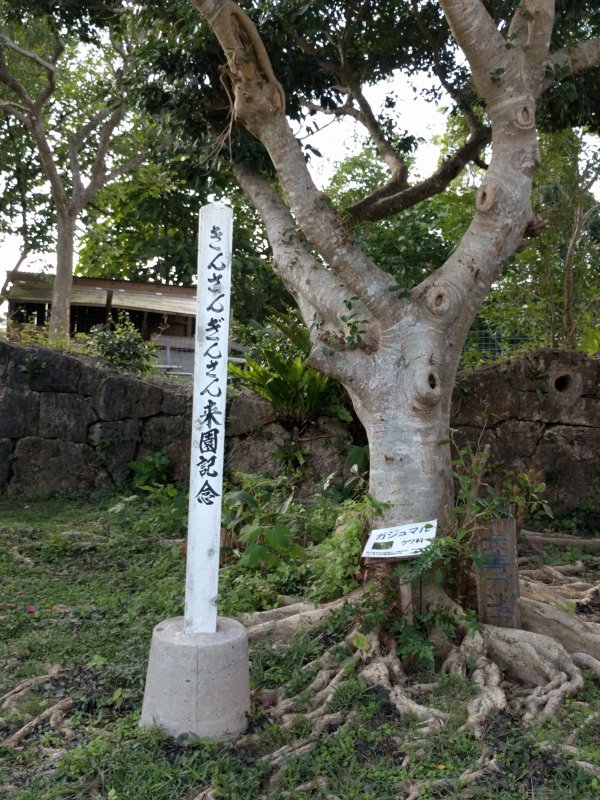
[197,685]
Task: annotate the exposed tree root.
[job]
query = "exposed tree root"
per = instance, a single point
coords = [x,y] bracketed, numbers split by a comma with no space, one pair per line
[574,634]
[485,764]
[284,622]
[20,557]
[544,659]
[204,794]
[378,674]
[573,754]
[10,700]
[538,540]
[55,714]
[585,661]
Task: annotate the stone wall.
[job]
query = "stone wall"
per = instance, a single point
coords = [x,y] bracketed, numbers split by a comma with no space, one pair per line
[68,423]
[541,411]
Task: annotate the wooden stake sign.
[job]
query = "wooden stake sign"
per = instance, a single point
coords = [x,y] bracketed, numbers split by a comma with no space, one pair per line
[208,418]
[498,575]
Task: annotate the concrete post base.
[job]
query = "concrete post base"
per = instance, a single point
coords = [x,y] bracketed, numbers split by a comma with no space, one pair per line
[197,685]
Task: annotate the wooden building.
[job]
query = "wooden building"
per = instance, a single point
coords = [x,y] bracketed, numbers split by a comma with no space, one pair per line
[166,314]
[151,307]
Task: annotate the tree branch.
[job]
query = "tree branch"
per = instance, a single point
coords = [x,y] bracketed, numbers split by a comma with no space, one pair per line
[392,198]
[388,155]
[15,85]
[32,56]
[76,144]
[459,95]
[125,168]
[476,34]
[15,110]
[98,171]
[259,107]
[301,272]
[50,87]
[572,61]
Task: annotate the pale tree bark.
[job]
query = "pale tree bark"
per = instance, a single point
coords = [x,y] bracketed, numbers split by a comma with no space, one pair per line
[71,186]
[401,378]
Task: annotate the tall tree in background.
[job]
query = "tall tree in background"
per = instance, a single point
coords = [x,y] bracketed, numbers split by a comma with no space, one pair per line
[24,210]
[145,227]
[72,103]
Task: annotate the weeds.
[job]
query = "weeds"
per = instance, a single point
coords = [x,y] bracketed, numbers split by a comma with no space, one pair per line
[84,581]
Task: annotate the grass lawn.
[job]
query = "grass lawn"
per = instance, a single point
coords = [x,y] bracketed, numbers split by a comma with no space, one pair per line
[85,579]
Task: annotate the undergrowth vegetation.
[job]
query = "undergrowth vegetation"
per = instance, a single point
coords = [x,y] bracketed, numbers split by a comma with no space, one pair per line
[86,579]
[119,342]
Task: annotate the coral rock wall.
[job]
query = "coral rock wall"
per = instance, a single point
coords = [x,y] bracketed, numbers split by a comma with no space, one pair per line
[68,423]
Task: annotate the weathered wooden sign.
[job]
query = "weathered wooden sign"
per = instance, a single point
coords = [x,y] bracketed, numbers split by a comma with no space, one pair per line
[498,574]
[208,418]
[401,541]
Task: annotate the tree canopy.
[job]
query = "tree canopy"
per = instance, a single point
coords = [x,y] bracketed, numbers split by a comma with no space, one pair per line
[70,103]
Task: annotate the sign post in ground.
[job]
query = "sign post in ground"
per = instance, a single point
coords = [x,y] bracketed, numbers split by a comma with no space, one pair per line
[208,419]
[498,574]
[197,684]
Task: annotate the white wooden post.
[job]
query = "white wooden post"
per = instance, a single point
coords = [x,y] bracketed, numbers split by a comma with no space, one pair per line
[208,418]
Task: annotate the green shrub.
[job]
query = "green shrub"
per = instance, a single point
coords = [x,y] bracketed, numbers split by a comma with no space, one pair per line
[276,368]
[122,345]
[152,469]
[298,393]
[335,561]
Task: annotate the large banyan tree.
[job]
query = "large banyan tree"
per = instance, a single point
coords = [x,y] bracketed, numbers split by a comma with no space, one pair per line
[507,68]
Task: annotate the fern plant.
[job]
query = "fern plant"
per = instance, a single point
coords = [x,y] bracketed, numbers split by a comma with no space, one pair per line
[298,393]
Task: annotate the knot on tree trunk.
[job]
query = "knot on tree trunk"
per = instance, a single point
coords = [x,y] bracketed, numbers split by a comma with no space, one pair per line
[488,197]
[427,388]
[443,300]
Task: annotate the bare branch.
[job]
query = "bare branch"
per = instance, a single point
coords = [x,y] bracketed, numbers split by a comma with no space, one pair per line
[30,116]
[540,21]
[15,85]
[475,32]
[117,46]
[458,94]
[298,268]
[351,27]
[125,168]
[393,198]
[17,111]
[347,110]
[572,61]
[50,87]
[31,55]
[98,171]
[395,164]
[76,144]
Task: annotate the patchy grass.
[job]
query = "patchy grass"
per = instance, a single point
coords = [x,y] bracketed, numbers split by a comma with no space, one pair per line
[85,579]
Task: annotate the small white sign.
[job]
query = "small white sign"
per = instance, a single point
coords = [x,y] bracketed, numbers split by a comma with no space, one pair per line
[403,541]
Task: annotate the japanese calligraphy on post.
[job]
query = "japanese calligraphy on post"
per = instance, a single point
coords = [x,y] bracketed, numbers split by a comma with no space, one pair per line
[403,541]
[208,418]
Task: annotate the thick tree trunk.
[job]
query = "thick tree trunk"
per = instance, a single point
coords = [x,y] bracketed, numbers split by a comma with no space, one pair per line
[409,457]
[63,281]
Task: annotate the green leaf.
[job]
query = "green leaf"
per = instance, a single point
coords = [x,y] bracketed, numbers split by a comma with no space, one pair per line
[251,533]
[279,537]
[360,641]
[233,498]
[258,554]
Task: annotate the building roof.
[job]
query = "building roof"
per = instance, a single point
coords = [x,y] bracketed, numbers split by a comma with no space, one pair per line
[28,287]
